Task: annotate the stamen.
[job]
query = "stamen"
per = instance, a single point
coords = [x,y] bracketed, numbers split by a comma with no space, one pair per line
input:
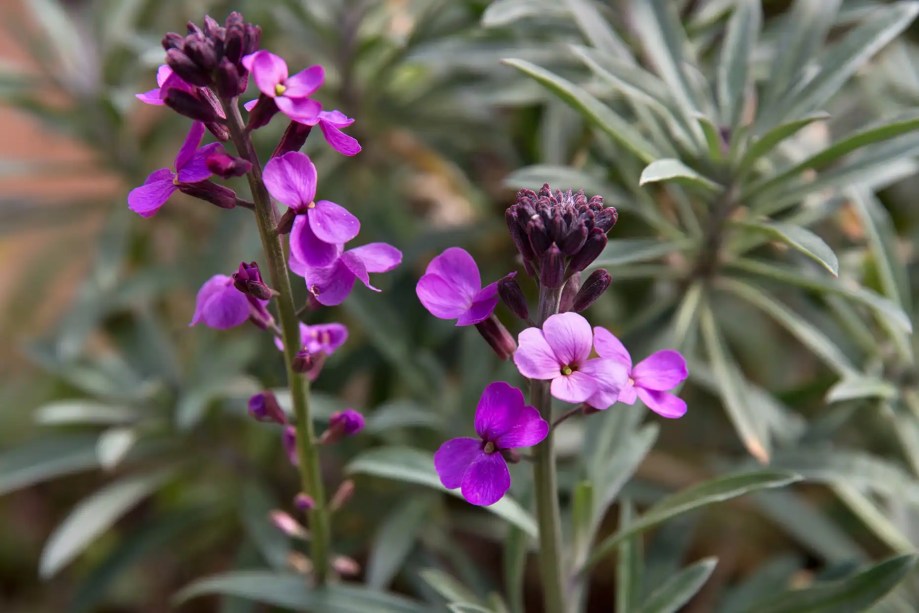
[567,370]
[279,89]
[489,447]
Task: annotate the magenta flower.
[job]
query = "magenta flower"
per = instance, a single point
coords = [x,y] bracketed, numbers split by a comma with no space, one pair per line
[341,424]
[331,123]
[320,227]
[166,79]
[220,305]
[290,94]
[190,167]
[451,288]
[649,380]
[331,284]
[475,465]
[559,353]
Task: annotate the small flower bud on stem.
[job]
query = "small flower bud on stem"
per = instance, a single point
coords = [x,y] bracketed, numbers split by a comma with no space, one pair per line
[497,336]
[513,297]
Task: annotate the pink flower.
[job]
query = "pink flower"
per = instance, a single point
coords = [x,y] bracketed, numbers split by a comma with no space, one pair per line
[559,352]
[649,380]
[166,79]
[333,283]
[221,306]
[475,465]
[451,288]
[290,94]
[331,123]
[320,227]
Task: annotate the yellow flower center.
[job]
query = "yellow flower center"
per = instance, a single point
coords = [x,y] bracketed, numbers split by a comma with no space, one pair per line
[567,370]
[279,89]
[311,205]
[489,447]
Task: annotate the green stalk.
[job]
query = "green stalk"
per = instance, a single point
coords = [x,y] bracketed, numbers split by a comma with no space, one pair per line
[548,516]
[307,451]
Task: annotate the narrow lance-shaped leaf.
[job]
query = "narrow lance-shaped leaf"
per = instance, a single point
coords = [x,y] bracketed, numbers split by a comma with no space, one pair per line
[628,564]
[678,589]
[768,141]
[46,458]
[597,30]
[857,386]
[882,241]
[736,56]
[669,169]
[800,238]
[715,490]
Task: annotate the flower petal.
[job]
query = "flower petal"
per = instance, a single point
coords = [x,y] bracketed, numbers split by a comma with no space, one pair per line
[220,305]
[611,377]
[457,267]
[333,223]
[357,268]
[330,285]
[324,337]
[305,82]
[195,134]
[663,403]
[196,168]
[529,429]
[303,110]
[576,387]
[378,257]
[534,357]
[268,70]
[453,459]
[308,248]
[499,407]
[336,118]
[147,199]
[338,140]
[662,370]
[570,337]
[291,179]
[483,305]
[439,298]
[608,346]
[486,480]
[152,96]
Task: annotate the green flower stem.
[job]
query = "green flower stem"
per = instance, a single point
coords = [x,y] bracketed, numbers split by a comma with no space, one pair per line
[307,450]
[548,516]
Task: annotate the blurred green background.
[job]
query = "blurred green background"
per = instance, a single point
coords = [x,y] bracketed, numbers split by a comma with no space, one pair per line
[105,389]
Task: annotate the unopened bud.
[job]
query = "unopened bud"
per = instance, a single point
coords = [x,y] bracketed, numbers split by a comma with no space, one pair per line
[593,288]
[248,280]
[342,495]
[224,197]
[225,165]
[287,524]
[219,130]
[538,236]
[289,440]
[566,300]
[203,53]
[572,242]
[293,139]
[264,406]
[190,105]
[341,424]
[304,502]
[173,40]
[299,563]
[286,223]
[303,361]
[552,268]
[513,297]
[497,337]
[228,81]
[186,68]
[345,566]
[592,248]
[261,113]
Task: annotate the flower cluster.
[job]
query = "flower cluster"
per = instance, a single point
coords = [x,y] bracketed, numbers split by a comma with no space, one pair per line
[558,235]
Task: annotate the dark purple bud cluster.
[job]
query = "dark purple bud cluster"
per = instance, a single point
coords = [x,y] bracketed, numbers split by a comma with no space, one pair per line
[558,233]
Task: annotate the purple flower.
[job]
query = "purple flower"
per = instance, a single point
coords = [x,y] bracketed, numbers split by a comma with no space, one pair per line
[559,352]
[220,305]
[341,424]
[320,227]
[476,466]
[649,380]
[264,406]
[166,79]
[331,123]
[451,288]
[190,167]
[290,94]
[331,284]
[317,342]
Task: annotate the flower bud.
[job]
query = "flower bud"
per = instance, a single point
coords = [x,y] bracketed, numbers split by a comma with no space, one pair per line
[219,130]
[341,424]
[303,362]
[227,80]
[261,113]
[225,165]
[224,197]
[304,502]
[264,406]
[191,106]
[513,297]
[593,288]
[552,268]
[566,300]
[538,236]
[573,240]
[342,495]
[592,248]
[289,440]
[248,280]
[287,524]
[293,139]
[497,337]
[186,68]
[345,566]
[286,222]
[203,53]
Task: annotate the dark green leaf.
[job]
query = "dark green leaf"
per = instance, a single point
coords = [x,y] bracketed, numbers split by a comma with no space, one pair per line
[736,58]
[678,589]
[675,170]
[46,458]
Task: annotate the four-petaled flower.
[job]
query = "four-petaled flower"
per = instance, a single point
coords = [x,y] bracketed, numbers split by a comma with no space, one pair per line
[451,288]
[559,352]
[166,79]
[331,284]
[475,465]
[290,94]
[190,167]
[220,305]
[649,380]
[320,228]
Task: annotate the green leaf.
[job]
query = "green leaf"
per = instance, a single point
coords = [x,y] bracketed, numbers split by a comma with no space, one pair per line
[596,29]
[506,12]
[715,490]
[857,386]
[768,141]
[623,251]
[592,109]
[875,518]
[732,390]
[882,306]
[46,458]
[465,607]
[416,466]
[113,445]
[736,57]
[852,594]
[809,335]
[629,564]
[802,239]
[514,567]
[394,540]
[93,516]
[402,414]
[882,241]
[82,411]
[292,591]
[448,587]
[675,170]
[678,589]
